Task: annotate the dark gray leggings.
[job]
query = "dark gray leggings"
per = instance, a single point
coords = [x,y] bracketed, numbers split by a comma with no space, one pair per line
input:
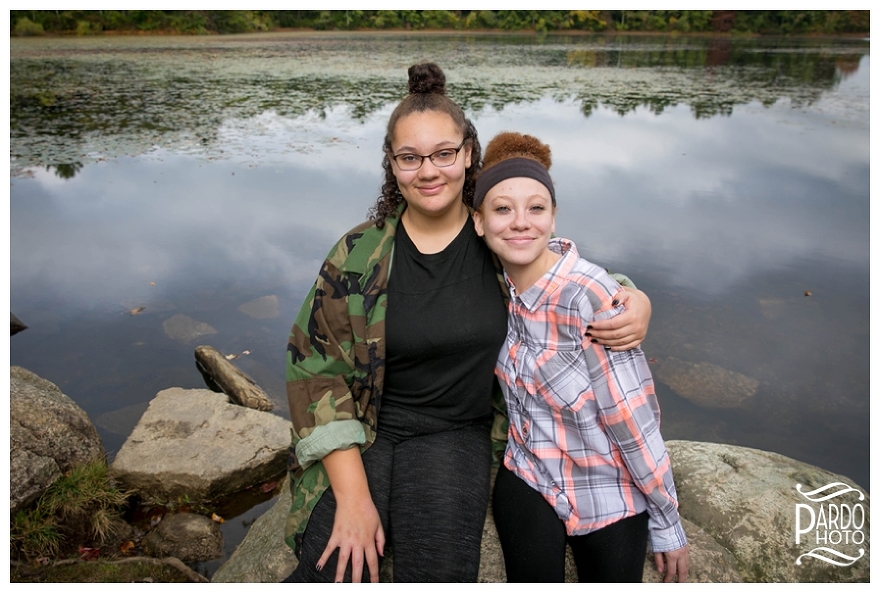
[533,540]
[429,480]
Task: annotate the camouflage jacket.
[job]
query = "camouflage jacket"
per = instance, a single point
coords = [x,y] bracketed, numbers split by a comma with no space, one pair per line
[336,364]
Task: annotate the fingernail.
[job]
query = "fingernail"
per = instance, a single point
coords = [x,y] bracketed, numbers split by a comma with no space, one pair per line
[589,327]
[595,341]
[319,567]
[615,302]
[589,335]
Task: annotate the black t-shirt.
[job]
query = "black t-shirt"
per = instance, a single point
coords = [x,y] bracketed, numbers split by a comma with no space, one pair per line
[445,324]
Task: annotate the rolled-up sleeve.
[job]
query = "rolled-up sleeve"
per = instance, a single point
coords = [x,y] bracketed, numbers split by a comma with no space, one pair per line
[319,371]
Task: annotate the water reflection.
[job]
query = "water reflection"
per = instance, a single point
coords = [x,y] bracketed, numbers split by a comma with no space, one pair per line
[122,97]
[190,176]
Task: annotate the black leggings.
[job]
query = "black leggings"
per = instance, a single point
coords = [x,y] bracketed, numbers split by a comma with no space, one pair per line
[533,540]
[429,480]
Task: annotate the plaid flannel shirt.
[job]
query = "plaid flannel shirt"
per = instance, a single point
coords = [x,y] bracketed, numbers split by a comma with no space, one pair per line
[584,421]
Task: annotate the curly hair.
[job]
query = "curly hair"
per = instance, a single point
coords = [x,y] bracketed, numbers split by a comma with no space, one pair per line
[508,145]
[427,92]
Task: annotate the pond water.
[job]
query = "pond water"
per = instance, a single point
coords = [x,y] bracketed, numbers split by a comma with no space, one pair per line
[729,178]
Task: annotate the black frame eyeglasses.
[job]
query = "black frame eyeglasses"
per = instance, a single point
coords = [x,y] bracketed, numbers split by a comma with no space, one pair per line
[408,161]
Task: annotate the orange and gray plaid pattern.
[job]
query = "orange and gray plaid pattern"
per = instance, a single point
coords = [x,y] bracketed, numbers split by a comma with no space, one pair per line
[584,421]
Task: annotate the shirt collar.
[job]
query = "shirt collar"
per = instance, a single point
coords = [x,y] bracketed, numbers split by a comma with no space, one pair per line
[552,280]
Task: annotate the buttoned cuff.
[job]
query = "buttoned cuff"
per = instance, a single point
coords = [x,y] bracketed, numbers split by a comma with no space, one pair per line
[668,539]
[337,435]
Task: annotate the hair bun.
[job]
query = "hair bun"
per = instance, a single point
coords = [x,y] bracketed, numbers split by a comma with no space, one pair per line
[426,78]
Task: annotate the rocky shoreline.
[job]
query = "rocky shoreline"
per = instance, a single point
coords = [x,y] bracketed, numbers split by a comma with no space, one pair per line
[746,512]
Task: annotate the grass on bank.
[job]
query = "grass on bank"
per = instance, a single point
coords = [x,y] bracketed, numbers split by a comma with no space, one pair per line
[83,502]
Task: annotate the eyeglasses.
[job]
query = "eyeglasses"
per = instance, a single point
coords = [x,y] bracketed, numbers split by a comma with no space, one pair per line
[444,157]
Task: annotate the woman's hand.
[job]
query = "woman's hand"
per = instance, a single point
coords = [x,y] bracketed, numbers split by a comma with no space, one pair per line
[674,563]
[627,330]
[357,532]
[357,528]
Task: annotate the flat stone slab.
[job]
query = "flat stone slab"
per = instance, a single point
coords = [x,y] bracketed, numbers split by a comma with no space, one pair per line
[194,442]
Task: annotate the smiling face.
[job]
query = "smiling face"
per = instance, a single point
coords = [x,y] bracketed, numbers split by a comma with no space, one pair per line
[517,218]
[430,190]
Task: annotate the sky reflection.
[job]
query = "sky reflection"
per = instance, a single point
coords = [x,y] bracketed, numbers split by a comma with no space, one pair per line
[722,198]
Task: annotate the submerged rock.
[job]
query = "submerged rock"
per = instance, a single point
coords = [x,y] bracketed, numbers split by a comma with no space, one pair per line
[705,384]
[262,308]
[48,435]
[123,420]
[186,329]
[194,442]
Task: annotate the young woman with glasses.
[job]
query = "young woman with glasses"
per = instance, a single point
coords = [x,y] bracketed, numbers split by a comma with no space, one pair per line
[390,376]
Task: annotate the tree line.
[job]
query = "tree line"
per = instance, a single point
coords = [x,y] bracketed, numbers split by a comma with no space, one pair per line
[764,22]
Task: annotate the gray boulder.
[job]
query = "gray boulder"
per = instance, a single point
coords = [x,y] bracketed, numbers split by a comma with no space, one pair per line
[194,442]
[262,556]
[737,507]
[746,500]
[187,536]
[48,435]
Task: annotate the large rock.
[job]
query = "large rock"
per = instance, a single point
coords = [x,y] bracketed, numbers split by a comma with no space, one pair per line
[737,508]
[194,442]
[217,370]
[188,536]
[705,384]
[48,435]
[262,556]
[746,500]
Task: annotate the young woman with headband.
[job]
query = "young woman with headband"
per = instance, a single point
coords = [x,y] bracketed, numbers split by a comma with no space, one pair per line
[585,465]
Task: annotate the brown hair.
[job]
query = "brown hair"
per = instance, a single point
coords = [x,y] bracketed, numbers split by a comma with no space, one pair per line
[427,92]
[508,145]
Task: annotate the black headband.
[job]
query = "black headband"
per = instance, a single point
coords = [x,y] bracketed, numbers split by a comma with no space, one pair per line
[516,167]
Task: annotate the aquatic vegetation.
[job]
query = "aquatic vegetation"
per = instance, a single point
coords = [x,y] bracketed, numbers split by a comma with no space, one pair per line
[113,97]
